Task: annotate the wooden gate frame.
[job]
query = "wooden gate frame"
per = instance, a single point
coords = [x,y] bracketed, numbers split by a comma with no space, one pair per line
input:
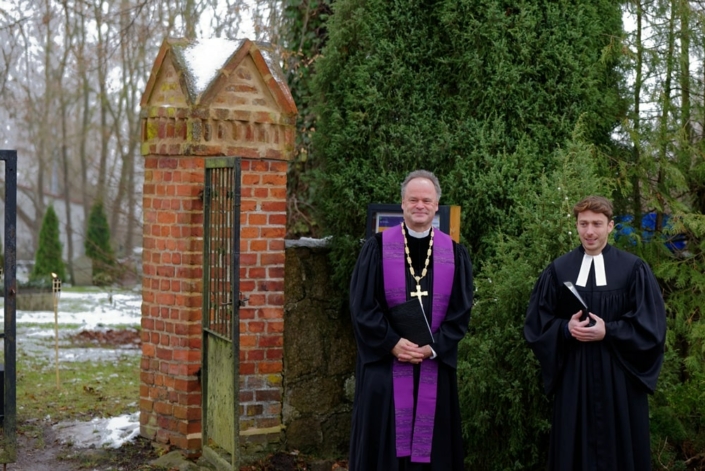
[8,452]
[233,333]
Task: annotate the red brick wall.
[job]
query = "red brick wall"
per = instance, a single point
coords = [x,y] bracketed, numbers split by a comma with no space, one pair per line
[170,400]
[263,226]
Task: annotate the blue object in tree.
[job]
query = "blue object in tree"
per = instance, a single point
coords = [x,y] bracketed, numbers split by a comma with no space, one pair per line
[624,227]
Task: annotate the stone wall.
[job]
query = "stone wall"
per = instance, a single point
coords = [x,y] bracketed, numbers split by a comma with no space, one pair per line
[319,356]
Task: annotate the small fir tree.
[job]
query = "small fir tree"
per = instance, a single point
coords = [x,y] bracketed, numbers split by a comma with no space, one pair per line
[98,247]
[48,259]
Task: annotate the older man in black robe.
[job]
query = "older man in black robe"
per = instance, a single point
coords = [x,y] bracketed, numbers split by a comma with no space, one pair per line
[598,367]
[406,414]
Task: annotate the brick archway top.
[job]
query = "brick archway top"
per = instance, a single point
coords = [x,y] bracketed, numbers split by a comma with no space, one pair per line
[204,66]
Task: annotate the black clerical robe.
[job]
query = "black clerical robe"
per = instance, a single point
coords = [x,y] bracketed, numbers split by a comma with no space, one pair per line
[601,410]
[372,441]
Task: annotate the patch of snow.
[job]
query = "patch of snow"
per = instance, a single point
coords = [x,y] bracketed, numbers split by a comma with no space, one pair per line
[111,433]
[90,310]
[203,59]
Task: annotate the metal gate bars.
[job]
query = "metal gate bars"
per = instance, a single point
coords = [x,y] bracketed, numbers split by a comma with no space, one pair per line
[221,285]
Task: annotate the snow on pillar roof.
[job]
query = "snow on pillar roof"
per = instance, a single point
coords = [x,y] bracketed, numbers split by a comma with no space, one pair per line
[204,66]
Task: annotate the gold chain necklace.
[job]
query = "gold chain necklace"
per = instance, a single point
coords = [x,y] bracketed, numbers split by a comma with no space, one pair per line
[418,293]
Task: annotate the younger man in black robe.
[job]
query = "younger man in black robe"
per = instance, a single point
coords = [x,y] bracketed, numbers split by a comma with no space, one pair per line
[406,414]
[599,375]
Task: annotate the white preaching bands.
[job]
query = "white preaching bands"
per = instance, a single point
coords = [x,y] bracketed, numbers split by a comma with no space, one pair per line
[418,235]
[600,277]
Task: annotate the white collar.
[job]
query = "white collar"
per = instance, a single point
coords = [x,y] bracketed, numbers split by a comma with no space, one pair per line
[418,235]
[600,277]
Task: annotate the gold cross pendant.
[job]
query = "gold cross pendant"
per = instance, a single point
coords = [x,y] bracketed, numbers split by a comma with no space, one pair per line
[418,292]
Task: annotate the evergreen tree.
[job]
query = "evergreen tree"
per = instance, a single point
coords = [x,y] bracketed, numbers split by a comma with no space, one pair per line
[48,258]
[664,174]
[478,92]
[98,247]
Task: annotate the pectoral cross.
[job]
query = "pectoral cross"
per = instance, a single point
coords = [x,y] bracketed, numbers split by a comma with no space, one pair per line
[418,292]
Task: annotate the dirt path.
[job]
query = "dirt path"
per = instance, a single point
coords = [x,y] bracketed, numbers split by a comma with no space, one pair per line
[44,451]
[39,448]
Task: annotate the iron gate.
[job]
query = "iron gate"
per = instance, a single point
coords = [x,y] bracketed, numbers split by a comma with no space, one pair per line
[8,445]
[221,286]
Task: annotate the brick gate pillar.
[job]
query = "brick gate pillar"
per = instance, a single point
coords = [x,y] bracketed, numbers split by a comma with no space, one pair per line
[212,98]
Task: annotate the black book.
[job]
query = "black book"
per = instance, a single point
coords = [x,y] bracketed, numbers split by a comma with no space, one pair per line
[570,302]
[409,320]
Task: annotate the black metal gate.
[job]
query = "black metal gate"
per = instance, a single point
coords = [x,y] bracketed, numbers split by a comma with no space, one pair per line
[221,286]
[8,376]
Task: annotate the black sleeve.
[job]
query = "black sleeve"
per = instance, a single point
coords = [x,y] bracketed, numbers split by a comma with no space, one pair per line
[637,337]
[455,325]
[543,331]
[375,338]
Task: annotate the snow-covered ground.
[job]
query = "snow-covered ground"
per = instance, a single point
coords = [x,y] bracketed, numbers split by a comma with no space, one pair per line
[112,432]
[91,309]
[77,311]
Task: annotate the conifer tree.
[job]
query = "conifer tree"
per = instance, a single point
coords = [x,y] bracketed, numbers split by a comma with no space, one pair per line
[98,247]
[665,175]
[48,258]
[480,92]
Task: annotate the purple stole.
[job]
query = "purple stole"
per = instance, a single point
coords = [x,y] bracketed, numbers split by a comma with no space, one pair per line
[417,442]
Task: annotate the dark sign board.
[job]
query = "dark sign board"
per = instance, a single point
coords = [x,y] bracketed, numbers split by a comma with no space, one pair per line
[383,216]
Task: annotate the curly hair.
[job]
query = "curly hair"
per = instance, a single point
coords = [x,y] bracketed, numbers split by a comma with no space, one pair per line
[597,204]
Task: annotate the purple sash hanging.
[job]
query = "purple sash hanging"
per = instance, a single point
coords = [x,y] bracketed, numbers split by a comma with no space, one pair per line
[414,435]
